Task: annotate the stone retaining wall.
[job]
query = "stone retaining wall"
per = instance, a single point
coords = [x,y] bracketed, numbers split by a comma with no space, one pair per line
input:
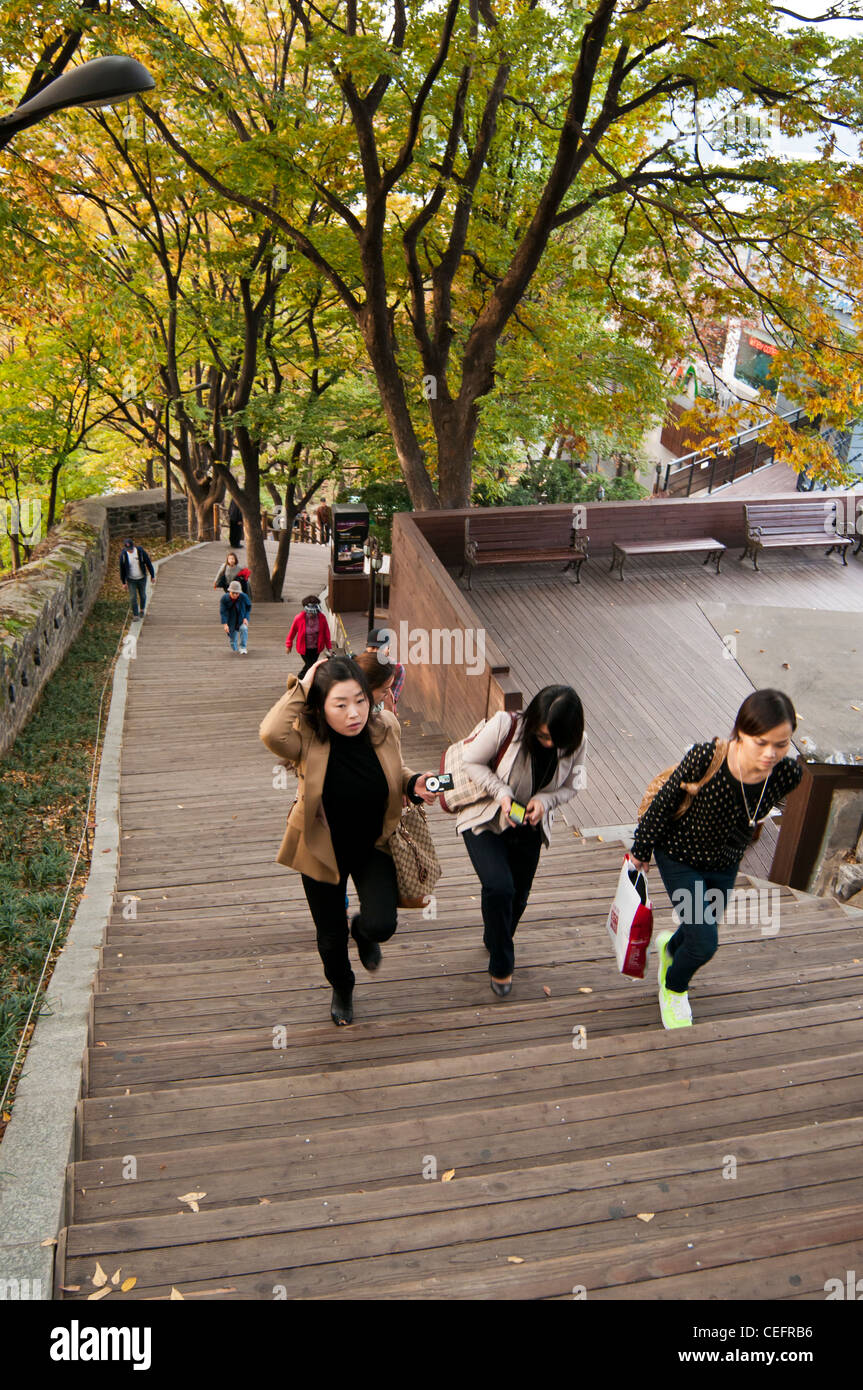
[143,513]
[42,609]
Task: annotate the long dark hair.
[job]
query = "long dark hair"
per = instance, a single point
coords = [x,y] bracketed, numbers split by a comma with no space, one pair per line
[762,711]
[338,668]
[561,710]
[375,670]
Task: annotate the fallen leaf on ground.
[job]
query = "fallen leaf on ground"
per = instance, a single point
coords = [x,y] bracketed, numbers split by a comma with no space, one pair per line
[546,990]
[162,1167]
[100,1277]
[514,1260]
[264,1201]
[686,1082]
[645,1215]
[52,1240]
[585,989]
[193,1198]
[100,1293]
[786,666]
[6,1117]
[129,1283]
[448,1175]
[101,1044]
[115,1278]
[70,1288]
[175,1294]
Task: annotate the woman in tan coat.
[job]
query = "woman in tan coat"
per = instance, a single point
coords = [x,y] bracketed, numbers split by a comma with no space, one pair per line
[351,784]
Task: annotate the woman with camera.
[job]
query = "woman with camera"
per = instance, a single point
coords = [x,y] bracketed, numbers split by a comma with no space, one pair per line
[528,765]
[732,787]
[351,786]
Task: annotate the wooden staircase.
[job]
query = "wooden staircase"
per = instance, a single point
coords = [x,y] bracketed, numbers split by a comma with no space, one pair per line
[557,1144]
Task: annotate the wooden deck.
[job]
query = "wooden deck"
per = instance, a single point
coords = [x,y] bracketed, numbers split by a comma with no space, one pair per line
[652,672]
[312,1155]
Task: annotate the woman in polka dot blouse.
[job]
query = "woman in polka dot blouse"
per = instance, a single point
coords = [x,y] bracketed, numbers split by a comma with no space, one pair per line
[698,855]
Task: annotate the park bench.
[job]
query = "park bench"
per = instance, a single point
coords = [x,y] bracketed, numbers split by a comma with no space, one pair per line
[509,540]
[780,525]
[621,549]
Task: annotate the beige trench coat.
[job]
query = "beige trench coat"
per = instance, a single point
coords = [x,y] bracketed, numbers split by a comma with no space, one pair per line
[307,845]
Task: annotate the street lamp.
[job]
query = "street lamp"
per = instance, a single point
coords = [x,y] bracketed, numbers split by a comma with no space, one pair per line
[372,552]
[100,82]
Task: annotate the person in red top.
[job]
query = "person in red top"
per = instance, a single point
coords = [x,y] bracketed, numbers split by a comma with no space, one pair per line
[311,633]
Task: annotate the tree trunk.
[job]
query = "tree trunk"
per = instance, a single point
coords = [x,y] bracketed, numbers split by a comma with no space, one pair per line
[256,559]
[391,387]
[277,579]
[455,430]
[52,500]
[204,519]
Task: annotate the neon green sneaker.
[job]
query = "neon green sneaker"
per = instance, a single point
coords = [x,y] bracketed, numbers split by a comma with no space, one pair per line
[662,941]
[674,1009]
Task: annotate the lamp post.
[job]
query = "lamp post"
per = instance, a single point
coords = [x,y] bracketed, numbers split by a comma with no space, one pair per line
[372,552]
[100,82]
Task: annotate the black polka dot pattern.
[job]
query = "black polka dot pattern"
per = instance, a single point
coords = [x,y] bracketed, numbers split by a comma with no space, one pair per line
[714,832]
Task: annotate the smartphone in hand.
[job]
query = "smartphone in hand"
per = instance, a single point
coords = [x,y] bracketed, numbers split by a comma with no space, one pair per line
[517,812]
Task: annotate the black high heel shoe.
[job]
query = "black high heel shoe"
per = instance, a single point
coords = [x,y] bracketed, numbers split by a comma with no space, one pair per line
[342,1008]
[501,988]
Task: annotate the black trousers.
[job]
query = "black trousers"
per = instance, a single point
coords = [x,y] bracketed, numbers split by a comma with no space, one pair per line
[374,878]
[505,865]
[309,660]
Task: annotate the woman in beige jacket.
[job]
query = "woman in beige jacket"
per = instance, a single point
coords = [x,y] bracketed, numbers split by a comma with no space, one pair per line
[351,786]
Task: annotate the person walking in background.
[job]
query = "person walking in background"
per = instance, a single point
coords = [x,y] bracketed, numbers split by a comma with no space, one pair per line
[135,565]
[378,641]
[324,518]
[235,524]
[527,764]
[234,609]
[380,678]
[698,827]
[310,631]
[231,570]
[351,782]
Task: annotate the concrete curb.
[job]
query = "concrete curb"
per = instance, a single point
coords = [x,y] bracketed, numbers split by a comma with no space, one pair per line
[38,1142]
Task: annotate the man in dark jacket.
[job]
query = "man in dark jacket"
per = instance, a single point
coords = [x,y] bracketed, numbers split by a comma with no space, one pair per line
[135,565]
[234,608]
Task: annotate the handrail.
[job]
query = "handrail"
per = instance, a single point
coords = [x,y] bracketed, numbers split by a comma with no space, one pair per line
[710,453]
[750,429]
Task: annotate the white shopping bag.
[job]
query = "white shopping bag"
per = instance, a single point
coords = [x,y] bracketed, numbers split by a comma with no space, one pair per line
[630,921]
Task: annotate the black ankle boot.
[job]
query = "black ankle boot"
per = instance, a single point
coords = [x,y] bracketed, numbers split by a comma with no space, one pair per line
[369,951]
[342,1008]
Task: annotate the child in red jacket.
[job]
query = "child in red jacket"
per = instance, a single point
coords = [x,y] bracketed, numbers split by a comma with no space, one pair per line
[311,633]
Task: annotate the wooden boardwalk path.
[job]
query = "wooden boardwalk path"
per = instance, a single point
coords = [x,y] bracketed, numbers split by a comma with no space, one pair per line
[312,1155]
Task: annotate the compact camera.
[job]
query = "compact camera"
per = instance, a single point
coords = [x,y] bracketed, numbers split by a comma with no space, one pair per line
[440,782]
